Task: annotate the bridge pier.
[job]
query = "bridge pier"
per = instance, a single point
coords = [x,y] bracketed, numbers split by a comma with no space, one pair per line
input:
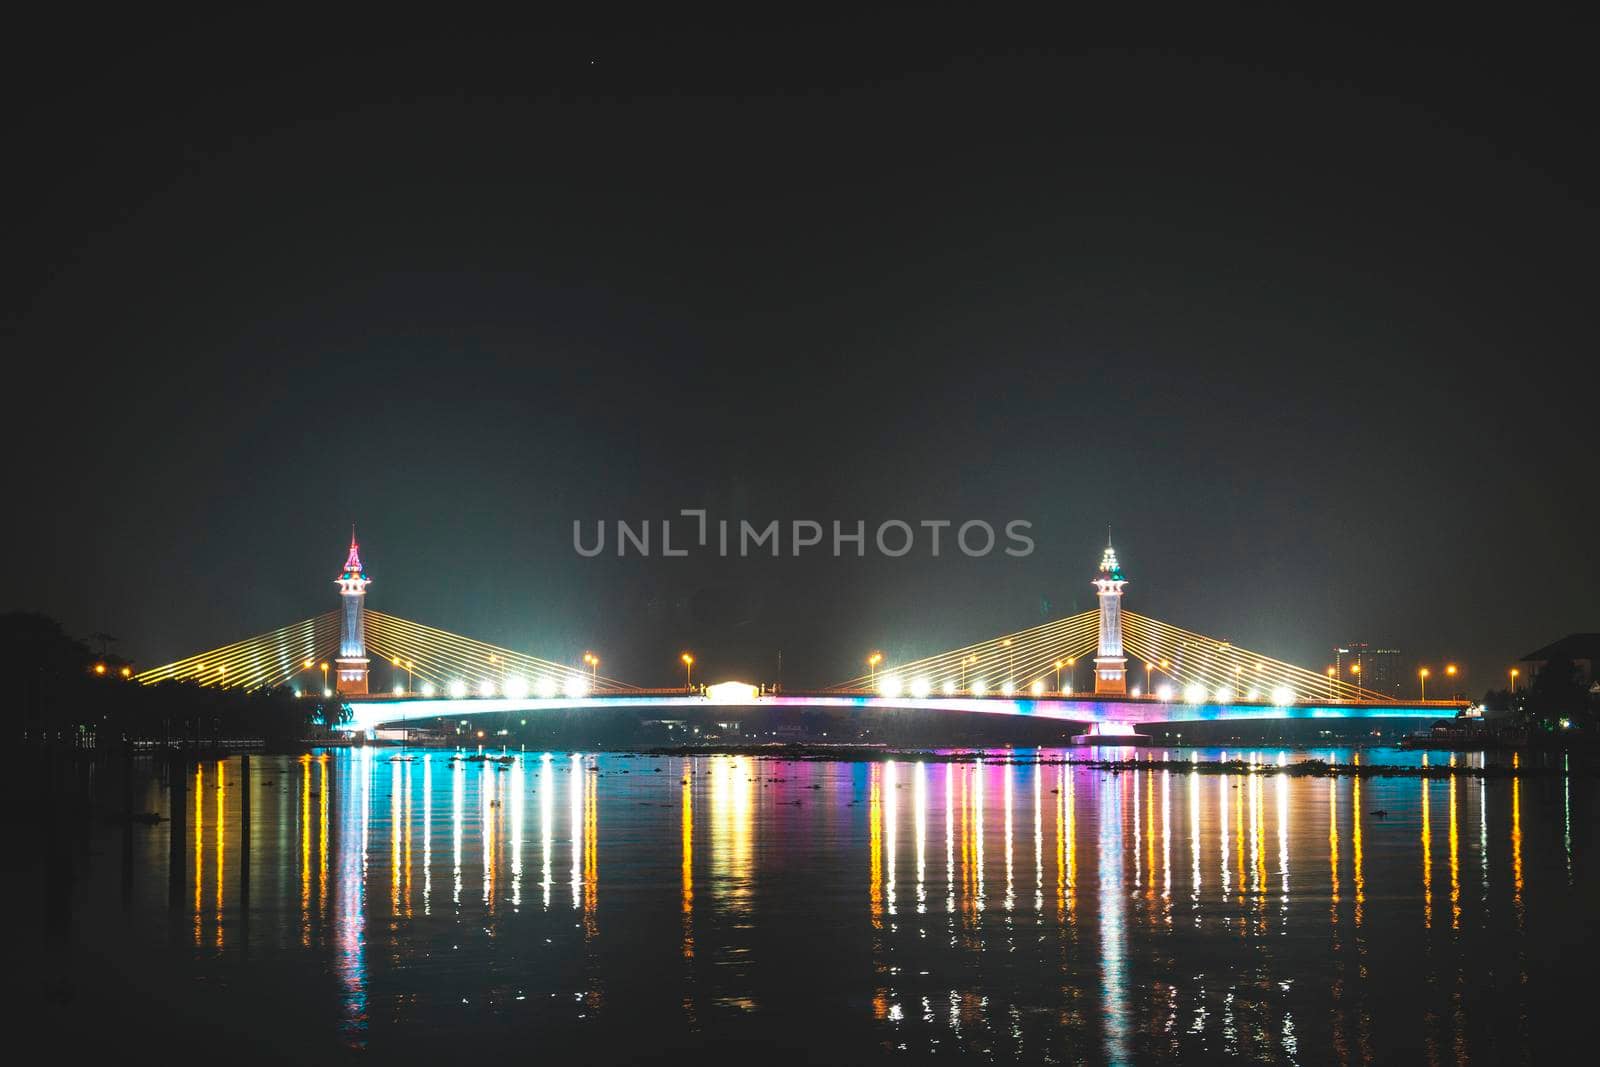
[1110,734]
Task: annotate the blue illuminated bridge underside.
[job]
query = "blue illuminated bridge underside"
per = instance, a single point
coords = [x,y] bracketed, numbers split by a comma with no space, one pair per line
[370,713]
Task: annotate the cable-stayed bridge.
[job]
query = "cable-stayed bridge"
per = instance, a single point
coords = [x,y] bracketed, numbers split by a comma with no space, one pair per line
[1139,670]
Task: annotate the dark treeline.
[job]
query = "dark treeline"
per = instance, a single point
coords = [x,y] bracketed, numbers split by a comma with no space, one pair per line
[1556,702]
[80,696]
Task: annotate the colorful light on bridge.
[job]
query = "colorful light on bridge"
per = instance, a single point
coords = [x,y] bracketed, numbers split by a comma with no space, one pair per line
[1224,695]
[890,687]
[486,688]
[1164,693]
[427,689]
[576,687]
[1283,696]
[1194,693]
[547,688]
[516,687]
[920,688]
[458,689]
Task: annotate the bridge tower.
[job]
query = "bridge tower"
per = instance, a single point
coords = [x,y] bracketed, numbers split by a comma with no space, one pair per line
[352,659]
[1110,665]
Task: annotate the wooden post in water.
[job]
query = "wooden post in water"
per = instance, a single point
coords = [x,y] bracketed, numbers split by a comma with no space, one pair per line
[127,823]
[177,783]
[244,854]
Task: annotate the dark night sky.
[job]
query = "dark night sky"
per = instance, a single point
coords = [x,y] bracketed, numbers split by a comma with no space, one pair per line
[1306,321]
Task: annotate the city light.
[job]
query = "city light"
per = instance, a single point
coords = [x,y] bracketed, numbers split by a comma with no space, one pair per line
[1164,693]
[1037,688]
[486,688]
[890,687]
[516,687]
[427,689]
[979,687]
[547,688]
[949,687]
[576,687]
[1225,695]
[1283,696]
[458,689]
[1194,693]
[920,687]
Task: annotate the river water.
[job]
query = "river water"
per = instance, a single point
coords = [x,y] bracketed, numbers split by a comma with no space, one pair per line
[617,907]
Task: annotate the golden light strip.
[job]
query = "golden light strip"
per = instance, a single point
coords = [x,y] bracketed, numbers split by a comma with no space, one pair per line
[1024,656]
[472,657]
[268,659]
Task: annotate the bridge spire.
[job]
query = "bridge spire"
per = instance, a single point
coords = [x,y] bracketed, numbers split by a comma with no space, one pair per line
[1110,665]
[352,659]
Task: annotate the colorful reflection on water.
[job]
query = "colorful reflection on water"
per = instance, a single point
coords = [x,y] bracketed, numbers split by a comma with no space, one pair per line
[614,904]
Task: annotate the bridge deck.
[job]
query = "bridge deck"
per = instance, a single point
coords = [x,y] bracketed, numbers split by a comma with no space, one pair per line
[368,712]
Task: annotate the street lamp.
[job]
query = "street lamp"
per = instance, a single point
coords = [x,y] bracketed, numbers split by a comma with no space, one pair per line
[1058,676]
[1331,673]
[1514,673]
[324,666]
[1423,676]
[1450,669]
[407,665]
[872,669]
[688,671]
[594,667]
[1148,667]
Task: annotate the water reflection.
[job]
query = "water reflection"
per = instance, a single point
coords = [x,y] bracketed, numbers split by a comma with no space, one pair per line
[719,885]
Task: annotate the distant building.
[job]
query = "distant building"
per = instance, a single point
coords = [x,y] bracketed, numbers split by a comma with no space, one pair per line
[1377,669]
[1582,649]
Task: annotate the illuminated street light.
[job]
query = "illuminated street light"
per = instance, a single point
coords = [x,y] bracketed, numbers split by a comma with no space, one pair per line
[872,669]
[100,668]
[1514,673]
[1450,670]
[324,666]
[1422,675]
[594,666]
[1331,673]
[1058,676]
[127,672]
[688,672]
